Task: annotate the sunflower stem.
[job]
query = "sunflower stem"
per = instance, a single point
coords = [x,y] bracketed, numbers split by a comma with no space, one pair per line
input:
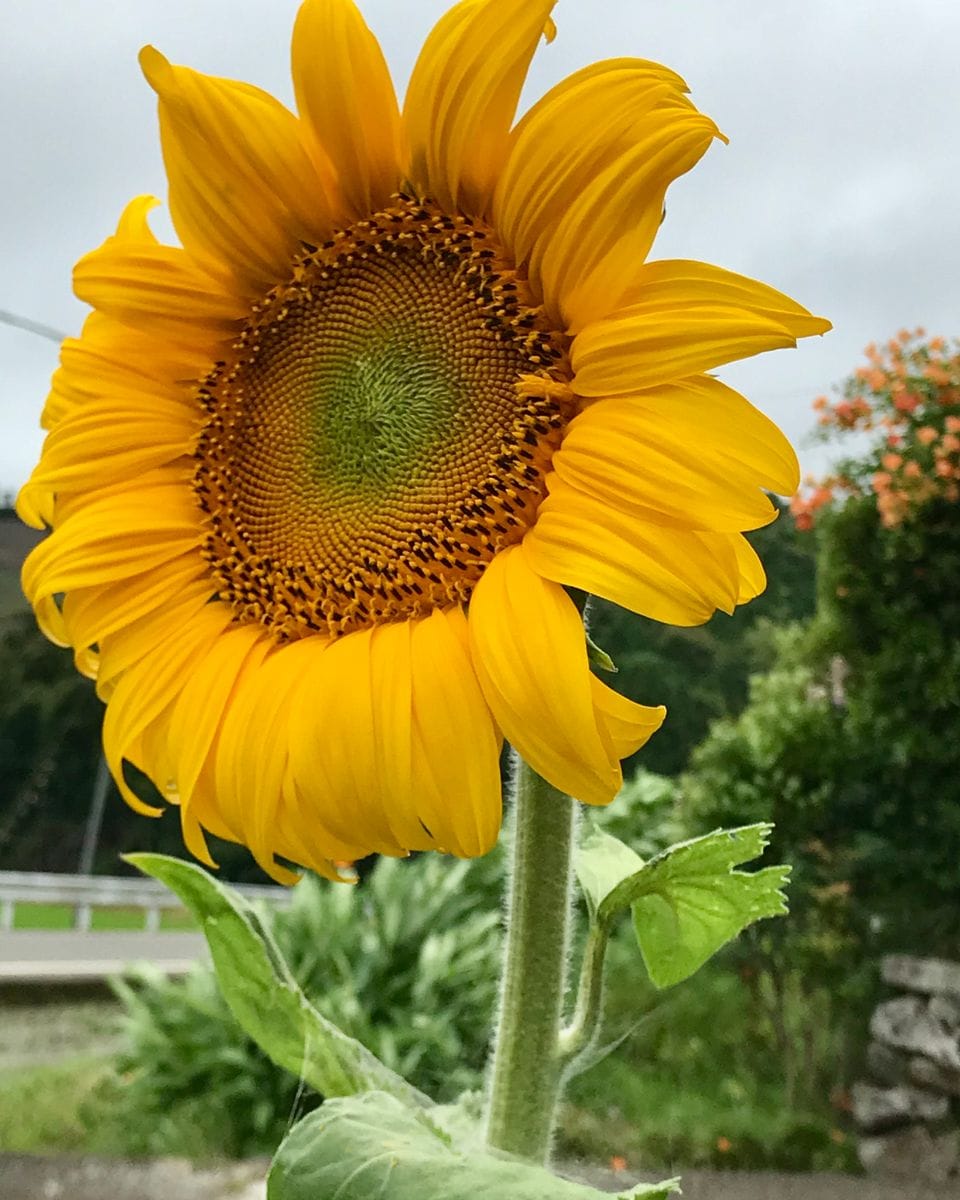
[527,1065]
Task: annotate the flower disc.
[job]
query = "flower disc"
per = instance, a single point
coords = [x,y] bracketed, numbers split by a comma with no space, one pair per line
[368,450]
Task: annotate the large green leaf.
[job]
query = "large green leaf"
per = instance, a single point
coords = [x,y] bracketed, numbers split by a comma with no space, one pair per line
[371,1147]
[688,901]
[264,997]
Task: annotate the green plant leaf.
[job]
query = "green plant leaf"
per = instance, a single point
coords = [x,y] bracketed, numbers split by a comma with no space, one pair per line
[601,862]
[652,1191]
[598,657]
[263,995]
[688,901]
[371,1147]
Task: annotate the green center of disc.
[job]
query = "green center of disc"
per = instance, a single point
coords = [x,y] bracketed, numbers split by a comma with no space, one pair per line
[381,413]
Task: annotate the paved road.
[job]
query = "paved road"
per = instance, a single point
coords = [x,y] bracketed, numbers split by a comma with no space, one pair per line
[40,956]
[29,1177]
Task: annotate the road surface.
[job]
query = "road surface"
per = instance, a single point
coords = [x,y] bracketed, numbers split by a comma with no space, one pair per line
[29,1177]
[54,956]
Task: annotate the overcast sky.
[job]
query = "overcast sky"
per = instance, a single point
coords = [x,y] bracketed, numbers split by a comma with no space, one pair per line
[841,183]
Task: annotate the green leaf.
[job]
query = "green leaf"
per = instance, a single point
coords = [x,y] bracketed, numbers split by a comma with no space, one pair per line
[264,997]
[653,1191]
[688,901]
[601,862]
[598,657]
[373,1148]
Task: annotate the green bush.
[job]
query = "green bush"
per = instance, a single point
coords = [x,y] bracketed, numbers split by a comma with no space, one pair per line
[890,605]
[406,962]
[700,1082]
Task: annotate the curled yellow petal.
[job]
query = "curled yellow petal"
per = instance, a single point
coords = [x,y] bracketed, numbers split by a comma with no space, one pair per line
[463,94]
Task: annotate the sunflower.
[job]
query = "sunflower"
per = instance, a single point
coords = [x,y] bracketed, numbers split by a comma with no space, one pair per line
[319,479]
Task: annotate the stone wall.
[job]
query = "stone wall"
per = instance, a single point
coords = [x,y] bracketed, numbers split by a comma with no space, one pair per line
[908,1110]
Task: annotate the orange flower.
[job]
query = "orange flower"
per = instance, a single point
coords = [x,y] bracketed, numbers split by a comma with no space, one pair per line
[926,434]
[618,1164]
[913,470]
[952,424]
[892,462]
[905,402]
[724,1145]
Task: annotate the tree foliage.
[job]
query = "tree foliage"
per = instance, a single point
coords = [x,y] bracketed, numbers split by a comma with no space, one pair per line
[849,745]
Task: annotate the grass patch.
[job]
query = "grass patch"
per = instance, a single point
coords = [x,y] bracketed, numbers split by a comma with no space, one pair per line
[60,916]
[44,1109]
[79,1106]
[695,1085]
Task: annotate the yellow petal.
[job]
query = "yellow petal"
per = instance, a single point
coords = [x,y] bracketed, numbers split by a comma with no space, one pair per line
[157,289]
[110,356]
[675,575]
[753,578]
[206,696]
[565,141]
[456,758]
[686,318]
[109,440]
[646,459]
[134,639]
[333,754]
[92,614]
[702,411]
[244,193]
[146,690]
[112,538]
[347,102]
[592,258]
[530,653]
[252,752]
[463,94]
[624,724]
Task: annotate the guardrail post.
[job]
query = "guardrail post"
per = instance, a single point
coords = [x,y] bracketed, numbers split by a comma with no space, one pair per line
[152,923]
[6,915]
[82,917]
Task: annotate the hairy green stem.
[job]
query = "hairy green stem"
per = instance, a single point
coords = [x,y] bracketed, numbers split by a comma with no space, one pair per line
[580,1034]
[527,1065]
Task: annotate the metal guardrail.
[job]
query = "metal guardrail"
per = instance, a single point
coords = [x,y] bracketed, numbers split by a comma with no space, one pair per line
[84,893]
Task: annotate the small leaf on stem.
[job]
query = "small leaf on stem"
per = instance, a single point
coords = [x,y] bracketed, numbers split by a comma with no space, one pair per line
[688,901]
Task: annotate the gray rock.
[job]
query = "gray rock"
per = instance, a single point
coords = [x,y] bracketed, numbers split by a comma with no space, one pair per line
[927,1074]
[913,1154]
[877,1108]
[926,975]
[887,1066]
[946,1010]
[906,1023]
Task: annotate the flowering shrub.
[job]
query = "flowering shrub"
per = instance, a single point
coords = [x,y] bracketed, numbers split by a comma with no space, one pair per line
[907,396]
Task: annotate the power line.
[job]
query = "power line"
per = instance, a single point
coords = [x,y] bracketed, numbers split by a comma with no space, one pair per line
[24,323]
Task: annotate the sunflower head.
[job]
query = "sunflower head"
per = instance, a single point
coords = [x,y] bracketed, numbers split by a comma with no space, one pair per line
[320,476]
